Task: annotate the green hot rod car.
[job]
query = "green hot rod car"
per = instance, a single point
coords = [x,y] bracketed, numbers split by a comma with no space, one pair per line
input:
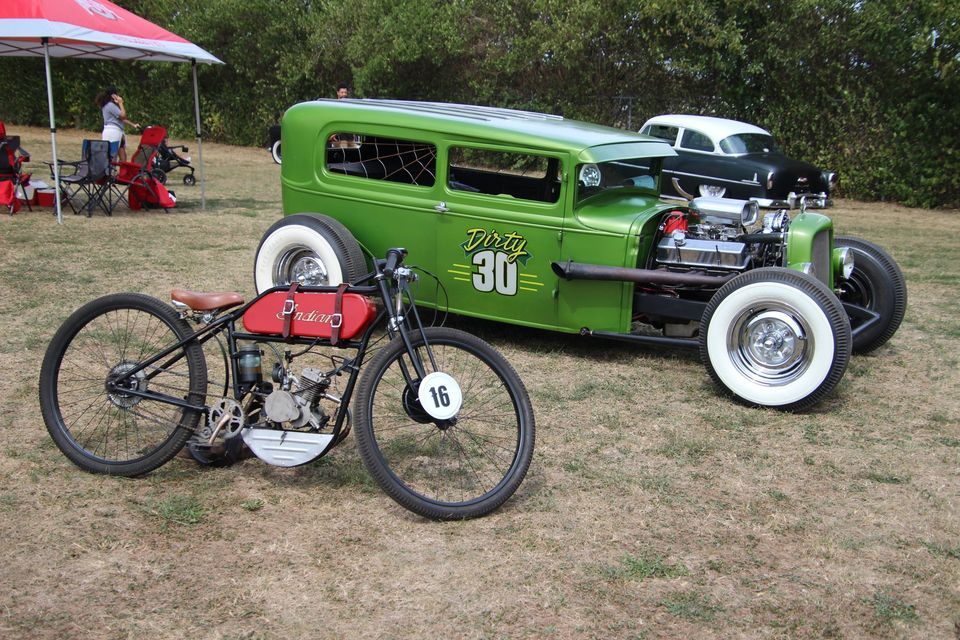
[536,220]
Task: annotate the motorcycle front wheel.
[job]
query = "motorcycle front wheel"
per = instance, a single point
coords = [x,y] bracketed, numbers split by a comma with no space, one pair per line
[442,466]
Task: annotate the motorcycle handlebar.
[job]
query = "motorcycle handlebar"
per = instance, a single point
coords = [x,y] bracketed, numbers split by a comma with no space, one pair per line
[394,258]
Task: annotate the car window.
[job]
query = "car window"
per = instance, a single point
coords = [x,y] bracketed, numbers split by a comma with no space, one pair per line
[525,176]
[602,177]
[749,143]
[377,158]
[696,141]
[662,131]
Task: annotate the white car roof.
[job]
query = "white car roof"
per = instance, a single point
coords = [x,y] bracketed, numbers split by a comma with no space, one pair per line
[716,128]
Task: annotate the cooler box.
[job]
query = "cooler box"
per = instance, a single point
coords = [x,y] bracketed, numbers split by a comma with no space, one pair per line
[45,197]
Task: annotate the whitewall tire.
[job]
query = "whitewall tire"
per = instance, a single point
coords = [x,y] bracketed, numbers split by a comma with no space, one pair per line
[308,248]
[775,338]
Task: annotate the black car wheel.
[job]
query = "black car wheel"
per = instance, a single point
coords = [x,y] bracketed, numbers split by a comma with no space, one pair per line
[876,284]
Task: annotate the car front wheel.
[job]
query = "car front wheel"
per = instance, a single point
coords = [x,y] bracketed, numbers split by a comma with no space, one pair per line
[775,338]
[876,284]
[275,151]
[310,249]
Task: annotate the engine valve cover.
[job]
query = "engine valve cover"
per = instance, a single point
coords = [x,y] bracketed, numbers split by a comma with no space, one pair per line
[691,252]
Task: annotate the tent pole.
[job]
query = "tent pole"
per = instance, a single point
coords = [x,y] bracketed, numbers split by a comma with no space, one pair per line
[196,110]
[53,131]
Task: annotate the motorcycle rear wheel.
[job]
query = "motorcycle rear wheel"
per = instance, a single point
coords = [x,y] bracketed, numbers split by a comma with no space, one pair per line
[95,413]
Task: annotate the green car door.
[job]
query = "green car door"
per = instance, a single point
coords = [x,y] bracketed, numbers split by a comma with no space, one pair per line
[497,230]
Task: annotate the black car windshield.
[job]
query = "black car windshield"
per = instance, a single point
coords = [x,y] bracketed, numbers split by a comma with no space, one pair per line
[603,177]
[749,143]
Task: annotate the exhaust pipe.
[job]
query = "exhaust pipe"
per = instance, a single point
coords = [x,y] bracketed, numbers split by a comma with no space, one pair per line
[571,270]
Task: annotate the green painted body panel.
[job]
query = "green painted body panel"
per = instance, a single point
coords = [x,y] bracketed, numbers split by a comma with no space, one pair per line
[800,242]
[492,253]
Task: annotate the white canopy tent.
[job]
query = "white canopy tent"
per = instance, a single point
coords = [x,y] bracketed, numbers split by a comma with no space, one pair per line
[94,29]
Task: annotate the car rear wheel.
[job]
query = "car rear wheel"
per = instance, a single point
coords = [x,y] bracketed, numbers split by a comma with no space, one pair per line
[775,338]
[310,249]
[876,284]
[275,151]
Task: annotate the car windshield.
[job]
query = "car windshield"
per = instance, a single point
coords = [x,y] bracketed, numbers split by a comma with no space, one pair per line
[749,143]
[602,177]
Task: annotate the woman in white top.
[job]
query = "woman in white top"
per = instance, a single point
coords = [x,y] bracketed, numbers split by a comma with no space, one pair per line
[114,119]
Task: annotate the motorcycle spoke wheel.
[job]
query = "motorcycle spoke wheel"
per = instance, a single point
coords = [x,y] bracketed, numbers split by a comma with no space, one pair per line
[92,407]
[445,469]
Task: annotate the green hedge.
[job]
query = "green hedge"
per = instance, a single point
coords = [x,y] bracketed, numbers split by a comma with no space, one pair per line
[864,87]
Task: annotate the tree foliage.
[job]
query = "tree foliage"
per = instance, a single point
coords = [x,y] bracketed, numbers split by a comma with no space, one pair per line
[865,87]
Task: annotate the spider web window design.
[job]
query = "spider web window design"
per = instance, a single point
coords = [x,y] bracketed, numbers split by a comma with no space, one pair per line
[389,159]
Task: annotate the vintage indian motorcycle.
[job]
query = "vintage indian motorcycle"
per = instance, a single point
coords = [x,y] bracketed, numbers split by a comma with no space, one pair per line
[443,422]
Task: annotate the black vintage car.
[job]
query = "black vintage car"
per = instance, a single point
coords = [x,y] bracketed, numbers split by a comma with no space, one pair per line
[725,158]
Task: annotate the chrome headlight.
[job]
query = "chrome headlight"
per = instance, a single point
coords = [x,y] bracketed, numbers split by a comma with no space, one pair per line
[843,262]
[831,179]
[590,175]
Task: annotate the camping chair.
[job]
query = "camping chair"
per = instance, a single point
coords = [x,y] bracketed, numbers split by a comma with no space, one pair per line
[89,184]
[12,178]
[134,180]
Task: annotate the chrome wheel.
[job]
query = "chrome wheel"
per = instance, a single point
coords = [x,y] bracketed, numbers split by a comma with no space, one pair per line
[302,266]
[770,346]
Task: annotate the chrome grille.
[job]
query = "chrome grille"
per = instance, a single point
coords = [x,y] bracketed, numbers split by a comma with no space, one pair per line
[821,256]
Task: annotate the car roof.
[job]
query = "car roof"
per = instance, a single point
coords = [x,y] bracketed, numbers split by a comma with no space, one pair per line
[590,142]
[715,128]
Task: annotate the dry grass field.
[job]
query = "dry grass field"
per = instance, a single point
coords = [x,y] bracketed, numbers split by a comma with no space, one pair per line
[654,508]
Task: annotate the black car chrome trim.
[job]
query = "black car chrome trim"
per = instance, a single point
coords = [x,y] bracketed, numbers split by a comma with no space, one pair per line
[752,183]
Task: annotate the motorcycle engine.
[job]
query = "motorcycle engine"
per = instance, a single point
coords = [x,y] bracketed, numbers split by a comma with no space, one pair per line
[721,235]
[297,402]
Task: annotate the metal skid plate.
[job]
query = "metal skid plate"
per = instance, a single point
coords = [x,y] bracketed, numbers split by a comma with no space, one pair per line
[285,448]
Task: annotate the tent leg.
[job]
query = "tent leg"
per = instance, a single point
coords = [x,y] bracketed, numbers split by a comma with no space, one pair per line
[53,131]
[196,111]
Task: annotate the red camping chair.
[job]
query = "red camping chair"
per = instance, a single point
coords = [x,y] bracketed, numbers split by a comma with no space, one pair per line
[13,180]
[134,181]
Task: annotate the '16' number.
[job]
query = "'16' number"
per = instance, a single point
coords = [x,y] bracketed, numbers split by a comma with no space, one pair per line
[495,271]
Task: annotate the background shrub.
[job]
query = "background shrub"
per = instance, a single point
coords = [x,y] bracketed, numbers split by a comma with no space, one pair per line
[862,87]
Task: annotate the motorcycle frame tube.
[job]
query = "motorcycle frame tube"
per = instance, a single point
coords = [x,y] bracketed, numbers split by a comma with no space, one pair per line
[227,324]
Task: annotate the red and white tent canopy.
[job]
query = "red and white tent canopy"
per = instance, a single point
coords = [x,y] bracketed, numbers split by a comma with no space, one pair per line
[89,29]
[95,29]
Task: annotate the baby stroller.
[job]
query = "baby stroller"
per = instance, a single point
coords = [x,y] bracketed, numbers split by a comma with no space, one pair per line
[167,160]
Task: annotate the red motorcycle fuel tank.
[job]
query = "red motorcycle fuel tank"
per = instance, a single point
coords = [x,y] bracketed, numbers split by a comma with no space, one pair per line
[312,314]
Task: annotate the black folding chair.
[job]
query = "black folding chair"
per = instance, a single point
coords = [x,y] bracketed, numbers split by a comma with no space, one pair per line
[89,184]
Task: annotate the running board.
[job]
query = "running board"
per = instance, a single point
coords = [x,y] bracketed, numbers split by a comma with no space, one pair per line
[286,448]
[663,341]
